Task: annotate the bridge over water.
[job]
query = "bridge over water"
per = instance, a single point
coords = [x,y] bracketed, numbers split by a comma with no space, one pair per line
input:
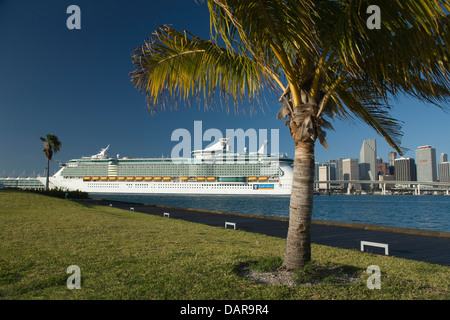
[413,185]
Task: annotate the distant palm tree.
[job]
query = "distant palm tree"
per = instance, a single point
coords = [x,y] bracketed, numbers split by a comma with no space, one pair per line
[321,57]
[51,145]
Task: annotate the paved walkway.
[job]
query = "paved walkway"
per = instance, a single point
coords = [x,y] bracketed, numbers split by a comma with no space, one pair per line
[428,246]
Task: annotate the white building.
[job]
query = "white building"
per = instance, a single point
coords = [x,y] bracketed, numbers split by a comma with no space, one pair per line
[324,175]
[368,160]
[426,164]
[350,170]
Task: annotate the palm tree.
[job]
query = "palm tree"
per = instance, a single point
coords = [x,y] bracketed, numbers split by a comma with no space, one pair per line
[321,59]
[51,145]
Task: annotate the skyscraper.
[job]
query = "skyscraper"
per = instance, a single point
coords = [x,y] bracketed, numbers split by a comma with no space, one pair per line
[426,164]
[350,170]
[340,173]
[405,169]
[324,175]
[444,172]
[334,164]
[444,168]
[317,167]
[392,156]
[368,160]
[336,170]
[382,168]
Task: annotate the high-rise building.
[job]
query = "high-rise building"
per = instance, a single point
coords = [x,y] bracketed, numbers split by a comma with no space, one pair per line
[382,169]
[368,160]
[443,158]
[324,175]
[350,170]
[317,167]
[444,172]
[333,164]
[405,169]
[340,173]
[426,164]
[392,156]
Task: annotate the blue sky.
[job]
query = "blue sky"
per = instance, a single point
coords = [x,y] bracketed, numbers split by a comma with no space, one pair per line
[75,84]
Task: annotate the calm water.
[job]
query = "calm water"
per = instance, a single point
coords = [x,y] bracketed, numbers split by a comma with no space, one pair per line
[416,212]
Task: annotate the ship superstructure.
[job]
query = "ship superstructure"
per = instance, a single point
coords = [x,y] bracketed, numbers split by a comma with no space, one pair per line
[214,170]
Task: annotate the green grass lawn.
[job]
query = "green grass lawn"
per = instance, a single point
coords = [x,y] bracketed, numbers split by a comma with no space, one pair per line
[130,255]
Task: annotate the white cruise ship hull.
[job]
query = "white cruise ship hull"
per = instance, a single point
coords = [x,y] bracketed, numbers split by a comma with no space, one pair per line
[137,187]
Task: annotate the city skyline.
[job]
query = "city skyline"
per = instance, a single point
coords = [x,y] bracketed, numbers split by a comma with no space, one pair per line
[426,169]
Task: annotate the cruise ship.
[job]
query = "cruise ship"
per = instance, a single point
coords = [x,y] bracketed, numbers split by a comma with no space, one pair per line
[214,170]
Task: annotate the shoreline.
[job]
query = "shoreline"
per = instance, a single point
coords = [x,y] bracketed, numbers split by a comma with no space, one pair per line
[361,226]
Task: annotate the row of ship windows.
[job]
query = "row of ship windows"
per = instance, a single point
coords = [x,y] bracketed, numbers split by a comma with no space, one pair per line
[114,186]
[159,168]
[176,164]
[167,172]
[176,186]
[171,186]
[216,174]
[179,187]
[168,169]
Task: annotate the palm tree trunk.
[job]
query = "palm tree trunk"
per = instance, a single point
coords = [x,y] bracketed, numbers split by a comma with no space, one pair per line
[48,174]
[298,244]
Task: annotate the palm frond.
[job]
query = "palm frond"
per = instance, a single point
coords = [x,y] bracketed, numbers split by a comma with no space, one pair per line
[51,145]
[273,32]
[408,55]
[174,66]
[359,69]
[54,142]
[366,105]
[414,65]
[259,24]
